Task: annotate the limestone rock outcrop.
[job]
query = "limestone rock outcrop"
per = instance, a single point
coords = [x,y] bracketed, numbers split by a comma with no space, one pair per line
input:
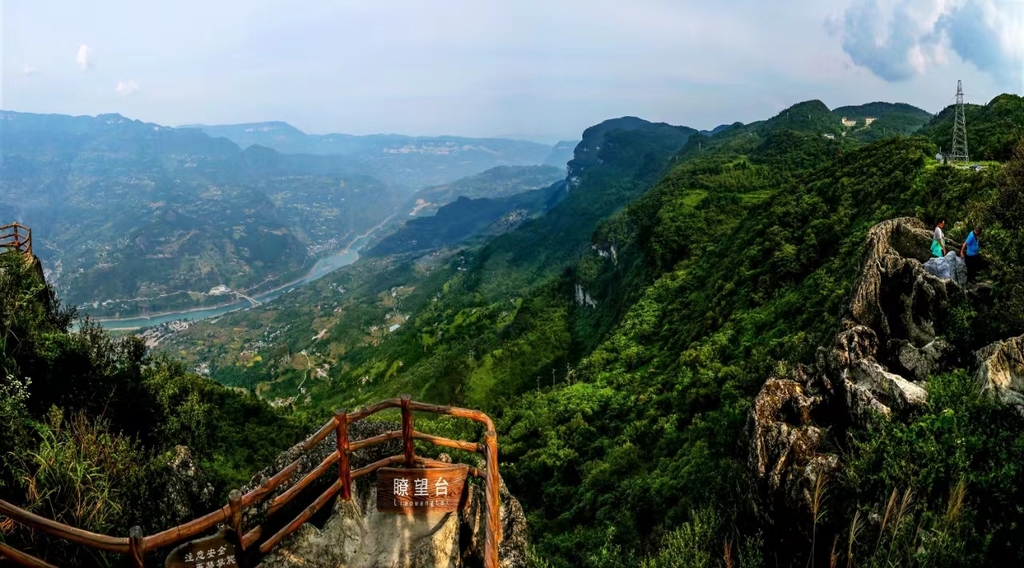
[188,490]
[514,533]
[357,536]
[785,440]
[888,345]
[1001,371]
[354,534]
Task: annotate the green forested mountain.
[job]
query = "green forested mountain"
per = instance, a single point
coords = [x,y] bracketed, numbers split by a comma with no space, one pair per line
[408,161]
[888,119]
[992,130]
[621,338]
[623,372]
[616,162]
[502,181]
[464,218]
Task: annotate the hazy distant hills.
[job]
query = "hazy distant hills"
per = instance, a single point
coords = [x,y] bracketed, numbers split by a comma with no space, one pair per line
[463,219]
[497,182]
[560,154]
[133,217]
[149,218]
[410,161]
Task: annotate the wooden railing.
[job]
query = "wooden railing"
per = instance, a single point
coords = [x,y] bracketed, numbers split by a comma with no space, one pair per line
[136,545]
[17,238]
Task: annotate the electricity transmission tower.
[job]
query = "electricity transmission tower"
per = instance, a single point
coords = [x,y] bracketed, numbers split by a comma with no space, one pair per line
[958,155]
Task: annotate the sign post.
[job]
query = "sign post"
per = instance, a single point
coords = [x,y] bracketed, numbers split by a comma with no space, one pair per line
[433,490]
[221,550]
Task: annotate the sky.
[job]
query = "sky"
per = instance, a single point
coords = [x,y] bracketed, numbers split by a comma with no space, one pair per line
[542,70]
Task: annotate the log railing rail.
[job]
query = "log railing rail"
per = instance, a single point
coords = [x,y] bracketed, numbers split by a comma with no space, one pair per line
[136,545]
[16,238]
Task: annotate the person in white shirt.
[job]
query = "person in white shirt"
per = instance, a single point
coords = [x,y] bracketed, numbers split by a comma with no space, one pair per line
[939,240]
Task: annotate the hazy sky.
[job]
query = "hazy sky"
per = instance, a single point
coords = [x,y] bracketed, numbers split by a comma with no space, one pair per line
[538,69]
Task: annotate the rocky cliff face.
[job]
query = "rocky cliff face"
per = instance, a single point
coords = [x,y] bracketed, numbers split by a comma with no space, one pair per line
[354,535]
[875,369]
[1001,371]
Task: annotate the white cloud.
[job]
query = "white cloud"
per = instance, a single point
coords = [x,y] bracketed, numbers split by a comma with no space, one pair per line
[125,88]
[901,39]
[29,71]
[83,58]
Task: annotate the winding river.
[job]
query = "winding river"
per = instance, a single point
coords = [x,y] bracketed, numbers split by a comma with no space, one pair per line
[323,267]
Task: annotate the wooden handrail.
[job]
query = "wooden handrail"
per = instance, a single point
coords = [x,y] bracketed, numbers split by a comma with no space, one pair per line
[17,238]
[386,436]
[187,530]
[281,500]
[23,559]
[448,443]
[90,539]
[137,545]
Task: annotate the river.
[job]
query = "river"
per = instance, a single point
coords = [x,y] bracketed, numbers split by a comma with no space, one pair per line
[323,267]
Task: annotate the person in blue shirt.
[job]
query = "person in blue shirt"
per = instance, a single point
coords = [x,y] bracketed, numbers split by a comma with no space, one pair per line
[969,252]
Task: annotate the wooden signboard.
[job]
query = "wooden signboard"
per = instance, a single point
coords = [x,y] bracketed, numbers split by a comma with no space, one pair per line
[218,551]
[435,490]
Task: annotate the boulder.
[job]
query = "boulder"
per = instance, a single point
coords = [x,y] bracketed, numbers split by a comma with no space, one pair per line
[1001,371]
[786,454]
[949,267]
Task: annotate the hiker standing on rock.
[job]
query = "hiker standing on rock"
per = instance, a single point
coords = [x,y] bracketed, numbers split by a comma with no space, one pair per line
[939,240]
[969,252]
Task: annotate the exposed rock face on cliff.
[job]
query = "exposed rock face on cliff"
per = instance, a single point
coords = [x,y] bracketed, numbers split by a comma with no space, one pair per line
[356,535]
[188,490]
[1001,371]
[888,345]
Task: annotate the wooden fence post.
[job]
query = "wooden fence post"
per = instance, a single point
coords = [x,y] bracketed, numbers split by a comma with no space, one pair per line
[491,490]
[235,504]
[341,417]
[410,454]
[135,546]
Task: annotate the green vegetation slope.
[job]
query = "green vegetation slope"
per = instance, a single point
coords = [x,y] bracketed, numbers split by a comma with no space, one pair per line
[620,339]
[93,427]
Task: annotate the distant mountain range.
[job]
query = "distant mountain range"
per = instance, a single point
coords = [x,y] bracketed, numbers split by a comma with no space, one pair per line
[144,217]
[409,161]
[560,154]
[134,218]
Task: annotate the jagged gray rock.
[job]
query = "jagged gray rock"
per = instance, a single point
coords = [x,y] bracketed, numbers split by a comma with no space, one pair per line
[887,346]
[514,532]
[785,442]
[1001,371]
[188,491]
